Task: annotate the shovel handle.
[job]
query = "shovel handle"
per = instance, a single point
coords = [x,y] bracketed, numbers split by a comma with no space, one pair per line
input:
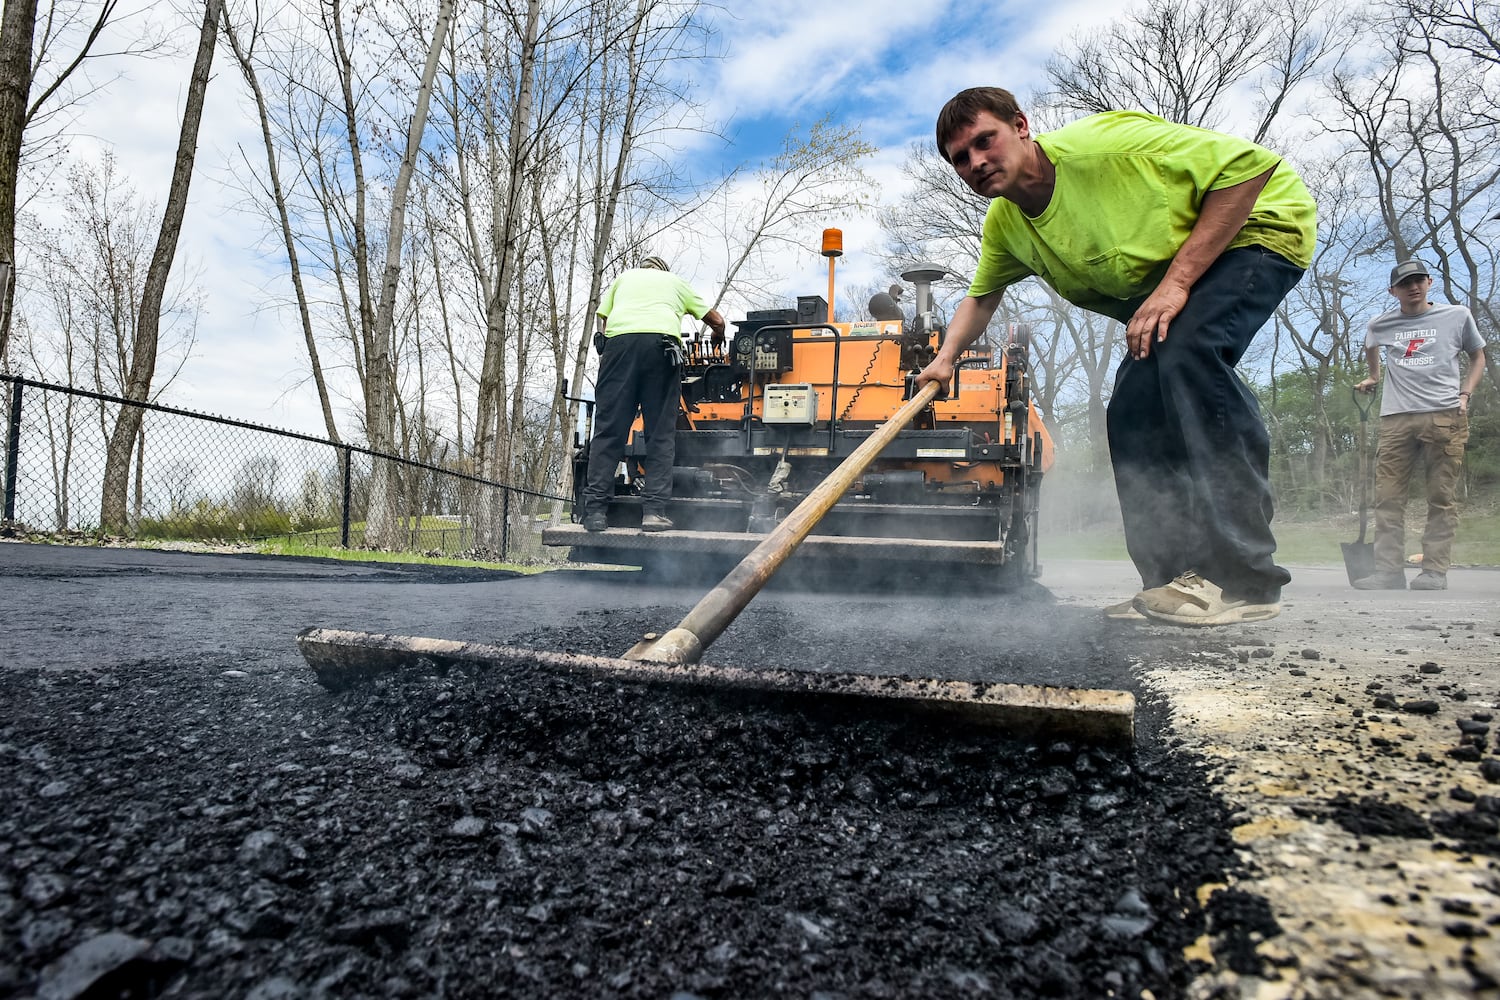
[1363,401]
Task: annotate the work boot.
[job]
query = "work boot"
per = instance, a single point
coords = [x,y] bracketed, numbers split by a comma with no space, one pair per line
[655,522]
[596,521]
[1392,579]
[1429,580]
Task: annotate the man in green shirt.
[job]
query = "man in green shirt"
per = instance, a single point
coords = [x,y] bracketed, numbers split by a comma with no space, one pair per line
[1169,229]
[640,370]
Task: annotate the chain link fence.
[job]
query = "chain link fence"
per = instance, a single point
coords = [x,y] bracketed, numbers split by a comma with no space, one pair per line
[197,477]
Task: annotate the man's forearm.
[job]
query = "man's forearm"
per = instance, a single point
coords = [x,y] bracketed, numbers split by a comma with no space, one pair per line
[1223,215]
[1475,373]
[969,321]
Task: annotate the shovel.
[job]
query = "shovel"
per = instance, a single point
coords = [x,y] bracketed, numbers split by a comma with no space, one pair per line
[1359,555]
[341,658]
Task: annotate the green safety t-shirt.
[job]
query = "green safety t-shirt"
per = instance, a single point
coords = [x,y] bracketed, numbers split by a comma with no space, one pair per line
[1129,187]
[645,300]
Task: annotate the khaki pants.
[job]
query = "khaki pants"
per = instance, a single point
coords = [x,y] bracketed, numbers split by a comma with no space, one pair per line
[1434,443]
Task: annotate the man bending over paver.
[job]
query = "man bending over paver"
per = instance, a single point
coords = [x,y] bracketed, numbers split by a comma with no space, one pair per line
[1170,229]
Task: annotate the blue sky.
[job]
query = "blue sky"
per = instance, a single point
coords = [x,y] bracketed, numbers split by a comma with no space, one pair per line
[885,64]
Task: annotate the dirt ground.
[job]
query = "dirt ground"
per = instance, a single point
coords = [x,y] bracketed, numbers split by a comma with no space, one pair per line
[194,816]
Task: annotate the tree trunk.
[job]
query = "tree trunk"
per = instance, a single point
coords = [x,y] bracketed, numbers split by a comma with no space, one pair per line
[383,527]
[278,195]
[112,513]
[490,437]
[16,31]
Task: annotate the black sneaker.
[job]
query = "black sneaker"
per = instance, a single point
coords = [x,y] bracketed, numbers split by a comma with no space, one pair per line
[655,522]
[595,522]
[1384,580]
[1428,580]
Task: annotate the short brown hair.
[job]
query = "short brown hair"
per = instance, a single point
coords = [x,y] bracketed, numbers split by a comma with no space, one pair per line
[962,108]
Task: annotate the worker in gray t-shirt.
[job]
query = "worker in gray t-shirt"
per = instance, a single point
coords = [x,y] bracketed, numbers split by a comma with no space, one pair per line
[1424,422]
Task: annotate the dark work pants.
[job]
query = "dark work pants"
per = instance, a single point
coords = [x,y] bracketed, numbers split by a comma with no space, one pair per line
[1191,454]
[634,374]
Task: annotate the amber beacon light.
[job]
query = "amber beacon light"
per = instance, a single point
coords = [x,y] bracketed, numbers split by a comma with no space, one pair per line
[833,247]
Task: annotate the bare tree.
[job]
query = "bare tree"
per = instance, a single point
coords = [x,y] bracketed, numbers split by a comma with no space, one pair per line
[497,259]
[1320,325]
[1422,124]
[80,322]
[815,177]
[551,119]
[1186,59]
[939,220]
[43,51]
[1173,58]
[543,157]
[380,381]
[1471,27]
[179,479]
[122,439]
[253,492]
[1461,154]
[16,29]
[92,269]
[275,192]
[344,119]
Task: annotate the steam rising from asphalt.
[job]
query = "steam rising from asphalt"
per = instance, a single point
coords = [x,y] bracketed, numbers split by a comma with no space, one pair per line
[906,604]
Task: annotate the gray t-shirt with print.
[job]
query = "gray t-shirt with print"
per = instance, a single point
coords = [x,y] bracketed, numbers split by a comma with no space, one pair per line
[1420,354]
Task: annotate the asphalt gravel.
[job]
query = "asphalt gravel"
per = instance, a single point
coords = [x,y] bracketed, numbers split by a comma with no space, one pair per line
[192,815]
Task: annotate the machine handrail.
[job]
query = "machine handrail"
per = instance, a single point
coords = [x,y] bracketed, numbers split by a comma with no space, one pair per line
[833,398]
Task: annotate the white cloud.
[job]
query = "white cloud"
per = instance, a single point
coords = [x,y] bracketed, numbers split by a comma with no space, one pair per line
[789,58]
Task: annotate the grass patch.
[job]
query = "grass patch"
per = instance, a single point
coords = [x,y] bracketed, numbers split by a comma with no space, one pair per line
[1309,543]
[1090,543]
[429,533]
[293,547]
[1316,543]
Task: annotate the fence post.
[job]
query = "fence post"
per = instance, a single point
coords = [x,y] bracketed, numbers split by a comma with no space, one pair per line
[348,462]
[12,450]
[505,527]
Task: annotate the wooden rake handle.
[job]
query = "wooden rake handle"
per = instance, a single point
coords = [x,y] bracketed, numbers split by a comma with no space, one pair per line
[720,606]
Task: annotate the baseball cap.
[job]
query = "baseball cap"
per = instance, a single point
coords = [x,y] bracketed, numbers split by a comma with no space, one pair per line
[1406,269]
[656,262]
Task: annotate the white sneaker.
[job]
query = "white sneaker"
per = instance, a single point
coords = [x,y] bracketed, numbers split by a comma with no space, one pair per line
[1192,600]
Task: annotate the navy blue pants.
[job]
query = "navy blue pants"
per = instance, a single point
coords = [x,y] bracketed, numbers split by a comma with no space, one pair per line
[1191,454]
[634,375]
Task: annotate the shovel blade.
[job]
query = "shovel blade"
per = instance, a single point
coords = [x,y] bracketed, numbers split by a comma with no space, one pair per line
[1359,559]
